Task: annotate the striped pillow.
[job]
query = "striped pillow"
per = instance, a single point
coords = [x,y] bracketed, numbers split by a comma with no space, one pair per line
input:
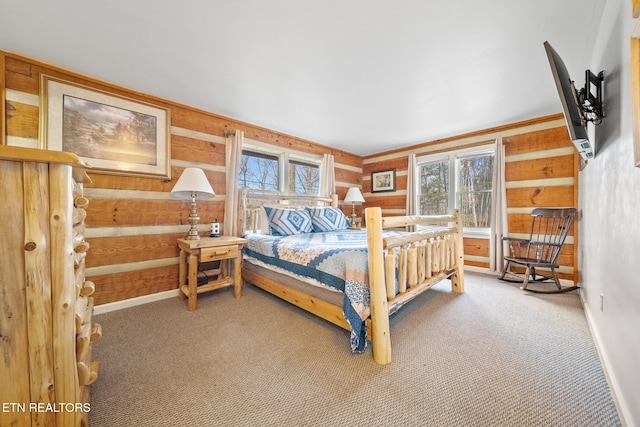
[285,222]
[328,219]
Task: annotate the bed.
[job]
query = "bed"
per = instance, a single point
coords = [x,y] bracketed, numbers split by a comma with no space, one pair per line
[354,278]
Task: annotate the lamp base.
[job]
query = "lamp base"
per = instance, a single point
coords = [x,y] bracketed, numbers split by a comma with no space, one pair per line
[193,219]
[353,214]
[193,235]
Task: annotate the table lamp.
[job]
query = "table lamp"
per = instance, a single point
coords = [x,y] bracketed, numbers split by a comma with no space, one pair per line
[353,196]
[193,184]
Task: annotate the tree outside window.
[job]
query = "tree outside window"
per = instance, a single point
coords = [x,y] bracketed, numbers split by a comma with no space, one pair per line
[304,178]
[261,171]
[433,194]
[475,179]
[471,172]
[258,171]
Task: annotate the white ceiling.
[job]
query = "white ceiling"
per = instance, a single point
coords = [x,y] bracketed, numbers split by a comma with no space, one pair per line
[361,76]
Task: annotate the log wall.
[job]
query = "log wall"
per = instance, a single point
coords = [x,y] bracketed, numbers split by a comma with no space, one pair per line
[133,222]
[541,169]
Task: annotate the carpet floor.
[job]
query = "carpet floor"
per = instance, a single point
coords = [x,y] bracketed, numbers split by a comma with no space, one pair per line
[493,356]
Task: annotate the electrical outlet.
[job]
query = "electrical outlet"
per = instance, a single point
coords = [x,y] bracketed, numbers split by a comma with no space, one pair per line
[601,302]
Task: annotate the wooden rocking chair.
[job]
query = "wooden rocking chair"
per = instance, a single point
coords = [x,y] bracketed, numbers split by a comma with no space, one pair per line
[549,230]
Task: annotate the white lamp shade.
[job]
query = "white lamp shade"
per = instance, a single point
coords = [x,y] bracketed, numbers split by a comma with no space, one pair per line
[354,196]
[193,180]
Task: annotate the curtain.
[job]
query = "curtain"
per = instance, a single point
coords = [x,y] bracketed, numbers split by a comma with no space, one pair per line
[327,176]
[412,209]
[233,144]
[497,248]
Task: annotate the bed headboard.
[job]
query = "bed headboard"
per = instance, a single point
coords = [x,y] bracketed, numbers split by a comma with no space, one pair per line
[250,212]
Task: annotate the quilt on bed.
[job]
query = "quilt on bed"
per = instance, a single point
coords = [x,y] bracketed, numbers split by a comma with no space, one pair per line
[337,259]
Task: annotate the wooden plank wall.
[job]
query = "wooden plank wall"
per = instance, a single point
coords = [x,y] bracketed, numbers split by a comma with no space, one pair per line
[132,222]
[541,169]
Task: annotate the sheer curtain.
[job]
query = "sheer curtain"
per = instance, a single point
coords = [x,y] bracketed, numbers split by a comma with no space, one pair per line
[233,143]
[411,188]
[327,176]
[497,248]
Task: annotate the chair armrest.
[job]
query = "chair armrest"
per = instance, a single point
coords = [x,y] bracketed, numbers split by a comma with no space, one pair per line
[513,239]
[518,248]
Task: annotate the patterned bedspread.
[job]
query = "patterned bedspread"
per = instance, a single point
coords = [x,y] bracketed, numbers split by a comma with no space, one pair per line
[336,259]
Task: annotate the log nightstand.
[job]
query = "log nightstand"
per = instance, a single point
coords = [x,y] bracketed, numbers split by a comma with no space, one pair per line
[194,252]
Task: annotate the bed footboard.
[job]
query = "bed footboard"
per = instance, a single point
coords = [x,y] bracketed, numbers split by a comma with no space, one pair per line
[421,258]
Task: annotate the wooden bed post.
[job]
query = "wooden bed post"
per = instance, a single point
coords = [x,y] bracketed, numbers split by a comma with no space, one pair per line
[379,308]
[457,279]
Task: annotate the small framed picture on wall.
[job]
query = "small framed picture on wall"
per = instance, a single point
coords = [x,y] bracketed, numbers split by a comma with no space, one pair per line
[384,180]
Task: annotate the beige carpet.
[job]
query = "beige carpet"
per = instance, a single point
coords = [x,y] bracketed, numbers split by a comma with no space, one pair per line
[493,356]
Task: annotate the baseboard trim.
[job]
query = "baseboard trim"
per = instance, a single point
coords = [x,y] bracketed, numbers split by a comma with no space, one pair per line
[132,302]
[479,270]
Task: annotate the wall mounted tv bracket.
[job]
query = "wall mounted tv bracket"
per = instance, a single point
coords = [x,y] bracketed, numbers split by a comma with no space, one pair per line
[592,105]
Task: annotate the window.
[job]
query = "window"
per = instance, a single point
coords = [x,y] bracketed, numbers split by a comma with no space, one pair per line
[304,178]
[460,179]
[258,171]
[473,189]
[286,171]
[433,187]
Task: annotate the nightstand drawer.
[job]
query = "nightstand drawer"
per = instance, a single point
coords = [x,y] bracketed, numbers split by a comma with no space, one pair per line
[221,252]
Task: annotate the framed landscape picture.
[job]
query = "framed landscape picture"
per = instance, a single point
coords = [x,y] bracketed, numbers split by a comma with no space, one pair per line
[384,180]
[111,133]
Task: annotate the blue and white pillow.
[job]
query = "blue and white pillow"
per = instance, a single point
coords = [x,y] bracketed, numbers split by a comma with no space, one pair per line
[328,219]
[286,222]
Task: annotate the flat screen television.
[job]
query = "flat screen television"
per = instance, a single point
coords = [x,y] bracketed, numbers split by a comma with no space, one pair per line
[573,113]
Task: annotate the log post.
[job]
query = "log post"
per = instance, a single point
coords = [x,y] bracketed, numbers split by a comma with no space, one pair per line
[436,255]
[422,260]
[447,252]
[63,297]
[429,260]
[390,274]
[457,279]
[452,254]
[37,292]
[379,308]
[412,265]
[402,273]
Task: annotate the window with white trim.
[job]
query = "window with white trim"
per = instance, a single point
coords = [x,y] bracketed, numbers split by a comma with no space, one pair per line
[461,179]
[270,168]
[259,171]
[304,178]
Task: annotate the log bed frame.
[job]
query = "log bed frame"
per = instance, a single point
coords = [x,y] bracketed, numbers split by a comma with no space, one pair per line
[431,257]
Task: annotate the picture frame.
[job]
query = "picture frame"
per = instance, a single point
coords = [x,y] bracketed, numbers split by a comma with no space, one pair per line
[383,181]
[112,134]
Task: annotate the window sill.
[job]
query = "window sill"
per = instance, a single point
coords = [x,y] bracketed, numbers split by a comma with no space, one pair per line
[475,235]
